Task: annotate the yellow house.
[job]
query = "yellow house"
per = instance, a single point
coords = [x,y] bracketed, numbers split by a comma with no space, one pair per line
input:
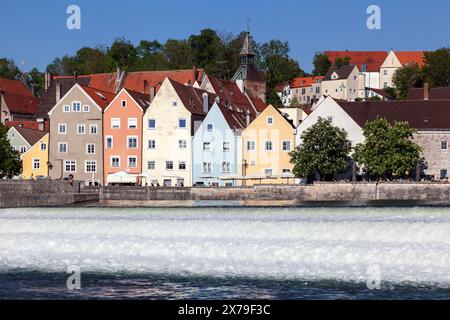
[34,161]
[266,143]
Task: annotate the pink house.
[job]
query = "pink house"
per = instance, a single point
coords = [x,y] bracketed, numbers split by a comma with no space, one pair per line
[122,134]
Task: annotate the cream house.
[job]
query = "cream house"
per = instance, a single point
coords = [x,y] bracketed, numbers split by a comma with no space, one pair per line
[342,82]
[169,124]
[396,60]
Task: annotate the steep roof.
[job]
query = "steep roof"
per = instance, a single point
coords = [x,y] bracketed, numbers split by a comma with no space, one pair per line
[420,114]
[406,57]
[343,72]
[102,98]
[372,59]
[30,135]
[18,98]
[247,46]
[301,82]
[435,93]
[192,98]
[141,98]
[25,124]
[381,92]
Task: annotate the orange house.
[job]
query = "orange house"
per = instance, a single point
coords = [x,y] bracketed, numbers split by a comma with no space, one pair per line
[122,136]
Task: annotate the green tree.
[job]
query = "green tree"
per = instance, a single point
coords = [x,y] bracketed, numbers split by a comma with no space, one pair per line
[205,49]
[178,54]
[437,67]
[321,64]
[123,53]
[37,81]
[294,103]
[407,77]
[345,61]
[324,150]
[8,69]
[10,163]
[388,150]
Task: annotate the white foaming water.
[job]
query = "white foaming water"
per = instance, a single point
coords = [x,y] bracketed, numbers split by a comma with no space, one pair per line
[403,244]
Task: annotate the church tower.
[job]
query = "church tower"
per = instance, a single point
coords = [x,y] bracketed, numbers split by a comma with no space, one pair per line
[248,78]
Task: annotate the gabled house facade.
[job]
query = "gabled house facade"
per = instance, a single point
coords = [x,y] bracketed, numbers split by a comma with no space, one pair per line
[34,161]
[122,133]
[394,61]
[343,83]
[76,135]
[16,137]
[266,143]
[175,114]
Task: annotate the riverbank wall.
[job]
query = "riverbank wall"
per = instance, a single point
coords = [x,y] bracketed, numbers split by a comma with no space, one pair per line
[61,193]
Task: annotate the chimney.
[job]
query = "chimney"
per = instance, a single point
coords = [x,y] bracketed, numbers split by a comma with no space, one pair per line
[247,118]
[119,78]
[152,93]
[58,92]
[75,77]
[145,86]
[194,74]
[426,92]
[41,125]
[205,102]
[48,80]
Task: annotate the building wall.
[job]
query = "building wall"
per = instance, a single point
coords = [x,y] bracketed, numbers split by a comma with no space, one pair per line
[36,152]
[166,136]
[350,92]
[256,89]
[216,155]
[120,136]
[4,111]
[260,131]
[297,115]
[76,142]
[387,70]
[436,157]
[17,141]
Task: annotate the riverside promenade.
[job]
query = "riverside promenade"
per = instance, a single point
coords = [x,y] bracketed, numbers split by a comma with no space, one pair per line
[44,193]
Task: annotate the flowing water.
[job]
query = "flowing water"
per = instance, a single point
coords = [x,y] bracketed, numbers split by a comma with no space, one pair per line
[204,252]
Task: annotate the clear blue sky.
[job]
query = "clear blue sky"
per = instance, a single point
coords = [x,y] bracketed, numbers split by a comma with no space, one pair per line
[35,31]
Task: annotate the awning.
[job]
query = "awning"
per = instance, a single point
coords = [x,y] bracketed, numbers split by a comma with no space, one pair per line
[121,177]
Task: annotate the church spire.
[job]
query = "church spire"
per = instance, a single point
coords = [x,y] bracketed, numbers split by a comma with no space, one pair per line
[247,47]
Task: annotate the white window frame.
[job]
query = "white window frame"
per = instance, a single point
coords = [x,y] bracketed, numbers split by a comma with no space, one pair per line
[86,109]
[135,120]
[65,166]
[251,143]
[154,145]
[45,146]
[173,165]
[38,161]
[66,108]
[128,142]
[106,142]
[65,128]
[148,165]
[185,122]
[22,149]
[73,106]
[270,120]
[148,124]
[63,143]
[228,144]
[89,145]
[180,163]
[115,120]
[91,126]
[86,166]
[111,161]
[182,144]
[227,164]
[208,166]
[282,145]
[81,126]
[128,161]
[266,144]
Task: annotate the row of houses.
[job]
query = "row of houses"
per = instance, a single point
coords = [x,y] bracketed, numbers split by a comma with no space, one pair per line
[363,76]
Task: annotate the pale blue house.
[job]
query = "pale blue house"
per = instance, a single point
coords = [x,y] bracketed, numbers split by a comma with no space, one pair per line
[217,146]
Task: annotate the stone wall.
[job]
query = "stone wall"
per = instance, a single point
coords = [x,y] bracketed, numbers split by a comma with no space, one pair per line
[437,159]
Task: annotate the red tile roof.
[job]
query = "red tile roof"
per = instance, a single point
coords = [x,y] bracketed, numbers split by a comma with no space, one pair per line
[440,93]
[301,82]
[102,98]
[406,57]
[372,59]
[192,98]
[141,98]
[25,124]
[18,98]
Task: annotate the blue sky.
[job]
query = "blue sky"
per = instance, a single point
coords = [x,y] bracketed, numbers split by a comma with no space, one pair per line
[34,32]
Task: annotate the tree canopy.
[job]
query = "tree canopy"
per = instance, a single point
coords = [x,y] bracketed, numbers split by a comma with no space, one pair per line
[321,64]
[405,78]
[10,163]
[437,67]
[388,150]
[324,150]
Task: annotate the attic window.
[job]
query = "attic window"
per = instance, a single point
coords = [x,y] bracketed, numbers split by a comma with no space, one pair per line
[426,119]
[123,103]
[100,95]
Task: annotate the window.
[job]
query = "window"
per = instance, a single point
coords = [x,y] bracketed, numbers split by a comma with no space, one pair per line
[62,128]
[132,123]
[22,149]
[182,123]
[115,161]
[317,89]
[330,119]
[251,145]
[226,167]
[268,146]
[444,145]
[444,174]
[36,164]
[226,146]
[70,166]
[182,165]
[151,165]
[90,148]
[286,171]
[115,123]
[206,167]
[151,124]
[90,166]
[268,172]
[269,120]
[123,103]
[132,162]
[174,104]
[206,146]
[385,72]
[66,108]
[151,144]
[93,128]
[62,147]
[132,142]
[169,165]
[286,146]
[385,84]
[76,106]
[81,129]
[180,182]
[43,146]
[109,142]
[210,127]
[182,144]
[85,108]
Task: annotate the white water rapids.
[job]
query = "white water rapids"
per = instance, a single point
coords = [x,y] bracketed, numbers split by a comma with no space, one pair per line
[400,244]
